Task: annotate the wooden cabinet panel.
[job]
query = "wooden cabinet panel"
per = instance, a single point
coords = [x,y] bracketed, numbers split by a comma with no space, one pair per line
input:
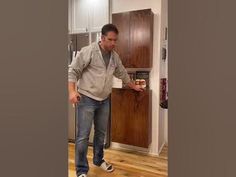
[135,44]
[131,117]
[141,39]
[121,20]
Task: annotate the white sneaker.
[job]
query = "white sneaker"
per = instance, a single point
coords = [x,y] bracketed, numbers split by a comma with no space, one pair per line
[82,175]
[106,166]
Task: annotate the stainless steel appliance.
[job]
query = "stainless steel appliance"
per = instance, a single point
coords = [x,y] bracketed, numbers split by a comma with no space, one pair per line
[75,43]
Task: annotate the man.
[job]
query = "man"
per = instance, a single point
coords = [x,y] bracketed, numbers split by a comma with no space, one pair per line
[94,67]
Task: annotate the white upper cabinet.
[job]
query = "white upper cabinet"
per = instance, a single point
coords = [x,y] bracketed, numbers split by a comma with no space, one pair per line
[99,14]
[69,16]
[80,16]
[87,15]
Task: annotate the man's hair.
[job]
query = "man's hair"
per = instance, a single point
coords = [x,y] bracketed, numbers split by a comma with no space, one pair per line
[108,28]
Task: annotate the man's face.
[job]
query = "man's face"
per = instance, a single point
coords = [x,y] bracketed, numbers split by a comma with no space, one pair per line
[109,40]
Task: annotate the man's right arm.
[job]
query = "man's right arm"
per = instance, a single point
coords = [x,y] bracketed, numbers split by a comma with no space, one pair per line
[75,73]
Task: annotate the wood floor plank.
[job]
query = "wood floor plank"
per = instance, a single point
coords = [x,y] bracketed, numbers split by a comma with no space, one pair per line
[126,163]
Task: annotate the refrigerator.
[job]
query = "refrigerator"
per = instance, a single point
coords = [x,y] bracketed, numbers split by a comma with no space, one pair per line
[75,43]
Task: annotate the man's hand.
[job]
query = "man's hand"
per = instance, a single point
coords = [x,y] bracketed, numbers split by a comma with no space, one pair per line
[74,97]
[135,87]
[138,88]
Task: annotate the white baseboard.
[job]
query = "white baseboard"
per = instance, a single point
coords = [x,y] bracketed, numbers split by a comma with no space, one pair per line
[130,148]
[162,146]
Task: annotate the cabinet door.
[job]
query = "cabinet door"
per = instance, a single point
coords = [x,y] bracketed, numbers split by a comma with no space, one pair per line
[121,20]
[142,116]
[131,122]
[99,14]
[80,16]
[141,38]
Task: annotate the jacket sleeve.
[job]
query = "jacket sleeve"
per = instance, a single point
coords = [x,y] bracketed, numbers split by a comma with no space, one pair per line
[121,72]
[77,65]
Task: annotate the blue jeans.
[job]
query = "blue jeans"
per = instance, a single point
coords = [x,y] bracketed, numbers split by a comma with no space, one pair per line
[90,110]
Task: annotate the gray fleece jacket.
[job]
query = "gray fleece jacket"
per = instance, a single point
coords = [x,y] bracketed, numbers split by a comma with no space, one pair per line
[95,80]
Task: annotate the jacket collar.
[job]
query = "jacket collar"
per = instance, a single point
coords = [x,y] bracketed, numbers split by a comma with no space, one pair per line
[97,48]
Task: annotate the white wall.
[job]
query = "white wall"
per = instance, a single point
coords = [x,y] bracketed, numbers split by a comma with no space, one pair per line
[165,24]
[163,113]
[155,5]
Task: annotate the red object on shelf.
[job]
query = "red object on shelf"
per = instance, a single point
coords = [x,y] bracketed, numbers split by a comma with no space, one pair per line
[163,90]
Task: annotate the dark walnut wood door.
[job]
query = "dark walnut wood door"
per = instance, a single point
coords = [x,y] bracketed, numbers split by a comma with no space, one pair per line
[131,117]
[135,42]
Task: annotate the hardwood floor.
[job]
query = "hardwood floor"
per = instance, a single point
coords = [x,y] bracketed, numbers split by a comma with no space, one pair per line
[126,164]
